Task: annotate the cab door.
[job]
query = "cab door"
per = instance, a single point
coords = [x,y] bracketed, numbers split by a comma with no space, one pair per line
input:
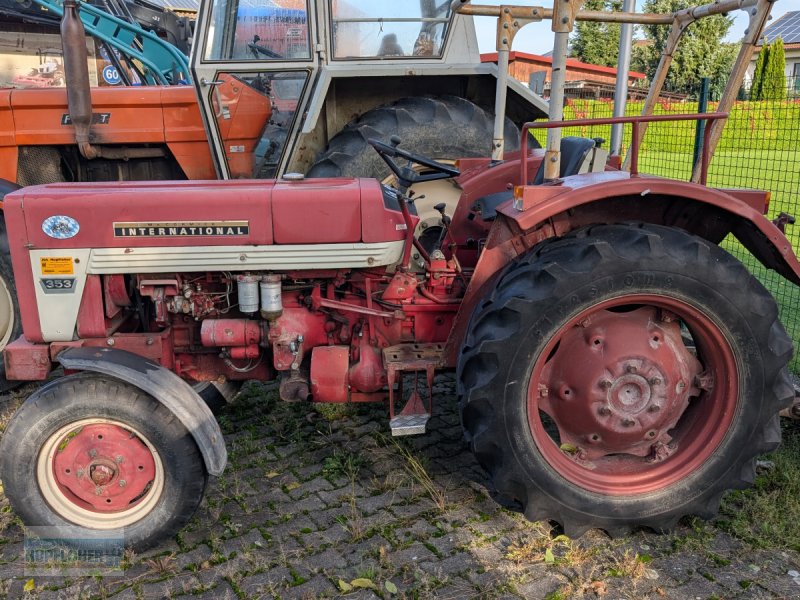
[253,62]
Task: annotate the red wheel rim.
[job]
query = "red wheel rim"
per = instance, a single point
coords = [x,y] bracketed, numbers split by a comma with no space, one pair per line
[617,403]
[103,467]
[100,474]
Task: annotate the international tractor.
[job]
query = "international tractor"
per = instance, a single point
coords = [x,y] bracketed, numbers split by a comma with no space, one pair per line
[615,367]
[279,87]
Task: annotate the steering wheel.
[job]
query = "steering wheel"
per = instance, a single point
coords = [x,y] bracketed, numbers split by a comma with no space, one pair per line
[257,49]
[406,175]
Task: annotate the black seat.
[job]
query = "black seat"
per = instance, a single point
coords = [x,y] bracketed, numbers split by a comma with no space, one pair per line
[573,153]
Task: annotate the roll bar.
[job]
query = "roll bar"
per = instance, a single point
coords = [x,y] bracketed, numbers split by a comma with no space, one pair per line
[512,18]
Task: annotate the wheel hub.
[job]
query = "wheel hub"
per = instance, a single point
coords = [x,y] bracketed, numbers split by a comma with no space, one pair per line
[618,382]
[103,467]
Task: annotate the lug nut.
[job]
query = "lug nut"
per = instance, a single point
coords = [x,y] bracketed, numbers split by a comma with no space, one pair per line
[655,381]
[604,411]
[630,369]
[605,384]
[653,408]
[628,422]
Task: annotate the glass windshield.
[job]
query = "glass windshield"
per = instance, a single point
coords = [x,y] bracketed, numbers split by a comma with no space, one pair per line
[261,30]
[389,28]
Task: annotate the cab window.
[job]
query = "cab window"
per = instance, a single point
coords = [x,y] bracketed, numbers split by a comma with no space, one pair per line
[388,28]
[243,30]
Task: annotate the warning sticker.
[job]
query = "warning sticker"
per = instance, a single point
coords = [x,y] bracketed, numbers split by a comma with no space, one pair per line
[57,265]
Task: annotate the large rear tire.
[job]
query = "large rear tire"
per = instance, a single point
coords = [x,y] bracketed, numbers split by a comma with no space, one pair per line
[581,398]
[103,458]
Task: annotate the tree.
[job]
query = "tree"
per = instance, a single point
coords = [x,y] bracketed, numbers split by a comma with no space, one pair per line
[701,51]
[773,86]
[758,73]
[597,43]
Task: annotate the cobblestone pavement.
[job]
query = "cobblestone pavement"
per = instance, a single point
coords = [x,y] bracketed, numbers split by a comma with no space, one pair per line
[312,506]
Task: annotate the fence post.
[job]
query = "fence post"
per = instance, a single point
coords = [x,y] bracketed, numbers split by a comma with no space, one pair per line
[702,106]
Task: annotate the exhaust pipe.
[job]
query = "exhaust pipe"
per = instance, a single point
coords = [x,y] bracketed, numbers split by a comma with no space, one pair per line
[79,98]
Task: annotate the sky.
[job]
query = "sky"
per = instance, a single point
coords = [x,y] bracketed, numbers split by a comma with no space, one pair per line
[537,38]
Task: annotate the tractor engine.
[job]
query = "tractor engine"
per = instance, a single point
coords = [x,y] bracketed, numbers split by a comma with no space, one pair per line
[323,334]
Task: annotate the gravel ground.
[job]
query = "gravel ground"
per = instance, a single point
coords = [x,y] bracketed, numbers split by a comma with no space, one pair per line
[312,507]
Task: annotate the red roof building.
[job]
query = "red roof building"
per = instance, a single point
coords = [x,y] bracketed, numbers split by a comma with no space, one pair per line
[522,65]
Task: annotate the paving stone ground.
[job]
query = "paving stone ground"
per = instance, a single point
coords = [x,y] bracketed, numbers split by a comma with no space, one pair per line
[311,507]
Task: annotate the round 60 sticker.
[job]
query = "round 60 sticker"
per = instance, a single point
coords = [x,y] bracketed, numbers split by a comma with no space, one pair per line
[111,75]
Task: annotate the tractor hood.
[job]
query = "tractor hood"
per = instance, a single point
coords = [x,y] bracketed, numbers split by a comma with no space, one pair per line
[202,213]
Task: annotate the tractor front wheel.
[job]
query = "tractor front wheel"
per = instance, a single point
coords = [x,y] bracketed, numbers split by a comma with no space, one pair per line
[623,376]
[100,456]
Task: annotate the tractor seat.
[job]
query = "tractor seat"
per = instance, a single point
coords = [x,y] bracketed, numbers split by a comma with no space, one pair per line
[573,153]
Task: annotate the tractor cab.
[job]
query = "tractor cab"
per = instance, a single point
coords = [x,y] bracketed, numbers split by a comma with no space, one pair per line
[323,63]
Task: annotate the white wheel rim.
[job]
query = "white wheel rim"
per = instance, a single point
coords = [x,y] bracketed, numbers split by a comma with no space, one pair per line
[68,509]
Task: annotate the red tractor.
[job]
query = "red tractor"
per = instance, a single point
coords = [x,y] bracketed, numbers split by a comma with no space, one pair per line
[615,367]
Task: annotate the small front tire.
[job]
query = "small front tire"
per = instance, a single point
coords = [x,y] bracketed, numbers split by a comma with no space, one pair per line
[100,456]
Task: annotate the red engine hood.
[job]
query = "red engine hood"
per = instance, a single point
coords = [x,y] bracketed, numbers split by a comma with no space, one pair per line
[207,213]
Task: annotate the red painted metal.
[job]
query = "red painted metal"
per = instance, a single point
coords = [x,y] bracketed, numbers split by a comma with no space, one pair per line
[115,295]
[590,188]
[329,372]
[611,384]
[379,223]
[91,315]
[227,333]
[617,385]
[411,358]
[318,211]
[103,468]
[635,142]
[24,361]
[367,373]
[245,352]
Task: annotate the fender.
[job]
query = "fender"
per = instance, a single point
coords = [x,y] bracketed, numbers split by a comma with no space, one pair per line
[163,385]
[641,196]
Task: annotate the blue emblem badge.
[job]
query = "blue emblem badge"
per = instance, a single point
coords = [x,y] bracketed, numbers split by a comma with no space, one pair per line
[60,227]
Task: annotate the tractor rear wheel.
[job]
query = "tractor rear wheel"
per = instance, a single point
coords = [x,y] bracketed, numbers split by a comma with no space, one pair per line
[103,458]
[623,376]
[443,128]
